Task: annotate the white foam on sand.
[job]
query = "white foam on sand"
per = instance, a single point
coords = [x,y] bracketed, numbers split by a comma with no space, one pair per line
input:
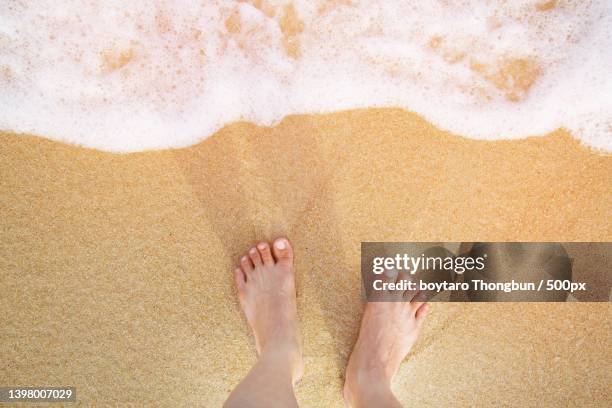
[136,75]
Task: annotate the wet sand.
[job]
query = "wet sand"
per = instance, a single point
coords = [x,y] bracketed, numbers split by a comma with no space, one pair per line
[116,269]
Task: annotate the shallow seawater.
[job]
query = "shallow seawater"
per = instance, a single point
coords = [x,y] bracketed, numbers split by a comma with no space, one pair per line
[126,76]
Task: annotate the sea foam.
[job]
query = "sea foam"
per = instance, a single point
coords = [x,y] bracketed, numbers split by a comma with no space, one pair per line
[135,75]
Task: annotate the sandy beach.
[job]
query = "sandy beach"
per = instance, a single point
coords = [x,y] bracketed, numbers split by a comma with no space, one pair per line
[116,268]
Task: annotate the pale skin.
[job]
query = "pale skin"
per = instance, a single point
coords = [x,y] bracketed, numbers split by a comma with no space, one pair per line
[266,289]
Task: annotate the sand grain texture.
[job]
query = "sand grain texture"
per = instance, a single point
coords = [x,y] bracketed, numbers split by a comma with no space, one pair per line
[116,269]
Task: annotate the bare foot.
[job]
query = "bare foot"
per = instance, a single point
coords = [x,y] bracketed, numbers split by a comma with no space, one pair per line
[388,332]
[266,289]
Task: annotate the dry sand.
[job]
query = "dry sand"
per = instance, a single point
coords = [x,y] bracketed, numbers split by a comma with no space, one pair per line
[116,269]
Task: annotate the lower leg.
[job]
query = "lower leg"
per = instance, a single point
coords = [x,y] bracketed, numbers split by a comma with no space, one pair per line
[373,395]
[268,384]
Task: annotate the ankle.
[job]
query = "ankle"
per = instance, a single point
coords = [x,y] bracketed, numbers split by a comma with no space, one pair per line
[286,356]
[280,351]
[365,393]
[362,386]
[283,342]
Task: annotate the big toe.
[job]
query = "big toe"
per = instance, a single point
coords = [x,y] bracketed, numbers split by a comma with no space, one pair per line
[283,253]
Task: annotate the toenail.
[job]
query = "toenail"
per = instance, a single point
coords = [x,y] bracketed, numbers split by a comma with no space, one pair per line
[280,244]
[253,251]
[244,258]
[261,246]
